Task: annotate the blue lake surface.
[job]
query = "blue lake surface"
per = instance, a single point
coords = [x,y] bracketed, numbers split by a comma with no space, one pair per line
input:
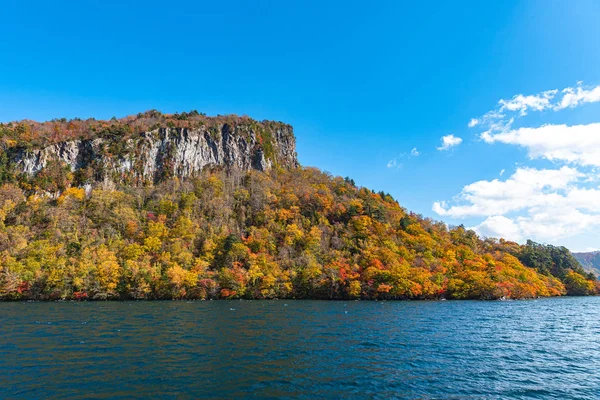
[539,349]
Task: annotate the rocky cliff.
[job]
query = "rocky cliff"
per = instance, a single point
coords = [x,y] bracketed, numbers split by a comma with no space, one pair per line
[116,153]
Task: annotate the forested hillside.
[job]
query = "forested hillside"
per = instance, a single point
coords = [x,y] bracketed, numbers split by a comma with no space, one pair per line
[229,233]
[297,233]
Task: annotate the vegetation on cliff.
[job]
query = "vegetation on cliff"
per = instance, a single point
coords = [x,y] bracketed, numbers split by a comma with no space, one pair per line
[32,134]
[285,233]
[143,149]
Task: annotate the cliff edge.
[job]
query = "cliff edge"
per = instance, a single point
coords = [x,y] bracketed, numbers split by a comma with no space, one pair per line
[147,148]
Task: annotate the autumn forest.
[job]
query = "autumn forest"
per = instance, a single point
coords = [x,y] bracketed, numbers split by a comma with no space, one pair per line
[227,233]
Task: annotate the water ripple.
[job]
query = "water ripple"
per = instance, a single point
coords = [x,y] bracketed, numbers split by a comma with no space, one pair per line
[545,349]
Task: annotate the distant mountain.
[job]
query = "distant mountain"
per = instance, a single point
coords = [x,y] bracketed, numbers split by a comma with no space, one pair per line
[590,261]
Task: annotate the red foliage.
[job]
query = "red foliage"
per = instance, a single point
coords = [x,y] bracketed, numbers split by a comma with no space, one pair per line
[23,287]
[226,293]
[80,295]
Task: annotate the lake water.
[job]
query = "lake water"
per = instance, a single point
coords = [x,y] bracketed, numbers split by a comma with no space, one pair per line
[546,348]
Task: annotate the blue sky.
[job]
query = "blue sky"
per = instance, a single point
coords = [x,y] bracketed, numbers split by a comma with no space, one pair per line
[362,83]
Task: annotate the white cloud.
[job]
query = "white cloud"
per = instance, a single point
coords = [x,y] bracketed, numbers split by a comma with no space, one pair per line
[547,225]
[574,97]
[542,204]
[500,227]
[393,163]
[449,141]
[503,116]
[439,207]
[474,122]
[526,188]
[549,203]
[537,102]
[577,144]
[590,249]
[556,223]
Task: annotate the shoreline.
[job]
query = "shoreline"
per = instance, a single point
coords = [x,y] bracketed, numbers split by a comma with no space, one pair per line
[116,300]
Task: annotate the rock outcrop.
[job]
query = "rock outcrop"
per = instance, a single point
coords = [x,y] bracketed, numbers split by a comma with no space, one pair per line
[162,153]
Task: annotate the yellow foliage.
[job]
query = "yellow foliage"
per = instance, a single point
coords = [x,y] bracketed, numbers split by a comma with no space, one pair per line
[152,244]
[293,234]
[133,251]
[354,289]
[73,192]
[157,229]
[108,270]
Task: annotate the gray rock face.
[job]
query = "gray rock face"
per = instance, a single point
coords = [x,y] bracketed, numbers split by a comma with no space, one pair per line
[166,152]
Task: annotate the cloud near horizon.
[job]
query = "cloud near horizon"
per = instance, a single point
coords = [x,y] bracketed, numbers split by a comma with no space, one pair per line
[546,204]
[541,204]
